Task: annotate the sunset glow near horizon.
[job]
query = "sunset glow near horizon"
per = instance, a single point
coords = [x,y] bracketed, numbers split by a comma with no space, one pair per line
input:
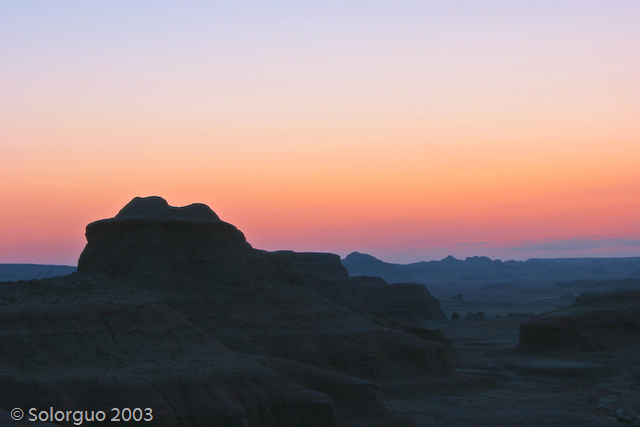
[407,130]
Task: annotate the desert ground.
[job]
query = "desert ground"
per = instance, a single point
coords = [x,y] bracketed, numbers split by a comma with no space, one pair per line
[497,385]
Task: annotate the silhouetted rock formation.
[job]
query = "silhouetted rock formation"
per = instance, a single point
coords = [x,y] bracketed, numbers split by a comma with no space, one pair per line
[593,321]
[173,310]
[150,240]
[329,278]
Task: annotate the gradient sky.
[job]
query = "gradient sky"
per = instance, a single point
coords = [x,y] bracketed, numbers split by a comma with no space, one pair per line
[409,130]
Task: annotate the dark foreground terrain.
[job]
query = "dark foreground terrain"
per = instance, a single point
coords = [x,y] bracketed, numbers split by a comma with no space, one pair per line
[553,379]
[172,310]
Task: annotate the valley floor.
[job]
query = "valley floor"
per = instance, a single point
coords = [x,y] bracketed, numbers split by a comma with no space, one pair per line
[497,386]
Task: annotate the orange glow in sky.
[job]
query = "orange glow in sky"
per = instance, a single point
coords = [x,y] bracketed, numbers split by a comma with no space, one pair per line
[410,132]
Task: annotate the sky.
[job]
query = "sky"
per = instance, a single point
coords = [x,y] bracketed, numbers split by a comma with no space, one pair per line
[409,130]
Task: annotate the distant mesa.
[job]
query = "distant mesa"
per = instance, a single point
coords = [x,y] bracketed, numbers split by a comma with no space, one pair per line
[357,257]
[480,260]
[594,321]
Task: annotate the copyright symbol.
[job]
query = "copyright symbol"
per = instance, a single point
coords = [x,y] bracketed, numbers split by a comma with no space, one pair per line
[17,414]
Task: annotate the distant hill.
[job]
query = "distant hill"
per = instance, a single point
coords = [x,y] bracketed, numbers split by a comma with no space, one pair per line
[14,272]
[482,270]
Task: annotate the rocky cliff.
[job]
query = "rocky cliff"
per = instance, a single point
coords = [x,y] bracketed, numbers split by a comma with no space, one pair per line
[329,278]
[171,309]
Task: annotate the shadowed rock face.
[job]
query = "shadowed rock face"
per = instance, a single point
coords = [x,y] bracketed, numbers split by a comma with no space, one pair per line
[329,278]
[594,321]
[172,309]
[411,297]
